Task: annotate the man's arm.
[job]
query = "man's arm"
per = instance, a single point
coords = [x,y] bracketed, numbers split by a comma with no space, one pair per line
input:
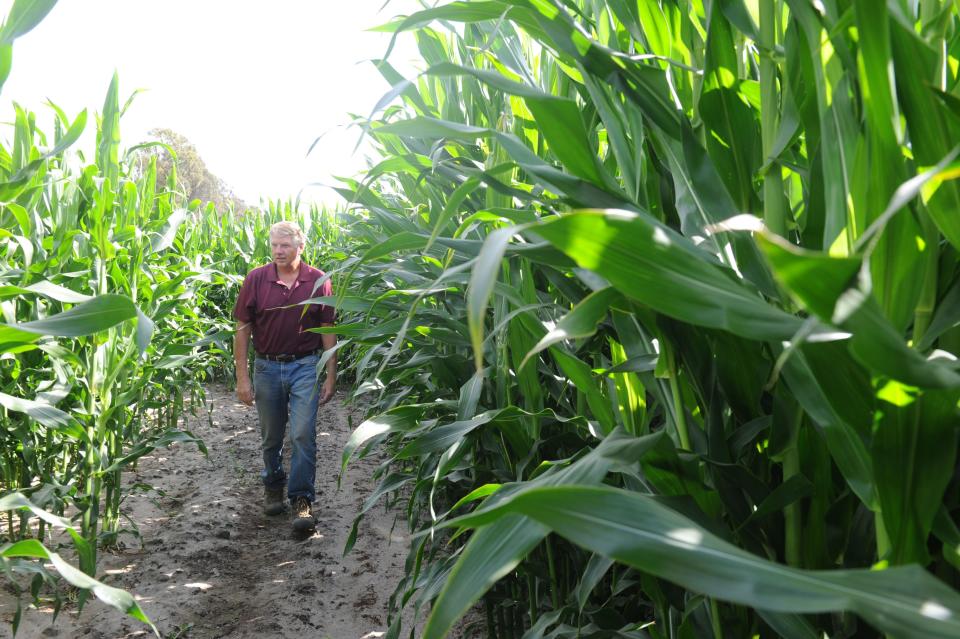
[241,347]
[329,340]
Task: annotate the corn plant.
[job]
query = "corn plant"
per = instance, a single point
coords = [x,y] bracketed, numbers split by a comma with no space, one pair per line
[92,260]
[113,291]
[661,316]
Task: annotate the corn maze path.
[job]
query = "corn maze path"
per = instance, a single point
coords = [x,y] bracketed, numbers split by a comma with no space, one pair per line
[211,565]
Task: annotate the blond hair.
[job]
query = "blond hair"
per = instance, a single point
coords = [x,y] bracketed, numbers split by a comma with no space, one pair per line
[289,229]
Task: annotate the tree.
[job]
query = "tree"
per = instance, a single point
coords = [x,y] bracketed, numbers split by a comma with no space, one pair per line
[193,179]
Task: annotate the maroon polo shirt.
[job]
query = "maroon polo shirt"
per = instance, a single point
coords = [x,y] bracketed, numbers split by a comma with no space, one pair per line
[278,330]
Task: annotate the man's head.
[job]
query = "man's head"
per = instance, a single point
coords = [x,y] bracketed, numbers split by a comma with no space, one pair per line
[286,243]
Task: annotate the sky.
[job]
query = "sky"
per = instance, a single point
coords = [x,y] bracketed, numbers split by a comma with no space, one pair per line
[251,84]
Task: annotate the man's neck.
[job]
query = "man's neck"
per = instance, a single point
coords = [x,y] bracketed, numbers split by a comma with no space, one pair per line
[292,269]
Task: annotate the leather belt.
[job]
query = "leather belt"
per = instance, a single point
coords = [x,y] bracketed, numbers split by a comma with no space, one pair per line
[285,357]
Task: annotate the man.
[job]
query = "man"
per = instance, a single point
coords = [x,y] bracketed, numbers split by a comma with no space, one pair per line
[285,384]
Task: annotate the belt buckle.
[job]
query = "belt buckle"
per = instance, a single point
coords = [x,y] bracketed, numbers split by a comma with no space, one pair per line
[286,358]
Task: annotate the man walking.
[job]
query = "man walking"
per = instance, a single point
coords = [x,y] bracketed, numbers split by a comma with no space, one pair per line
[285,384]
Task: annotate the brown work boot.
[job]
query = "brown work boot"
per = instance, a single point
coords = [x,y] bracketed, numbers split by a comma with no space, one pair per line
[303,520]
[272,500]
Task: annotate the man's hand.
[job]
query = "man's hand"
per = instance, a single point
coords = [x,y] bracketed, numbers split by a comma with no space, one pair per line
[245,391]
[329,390]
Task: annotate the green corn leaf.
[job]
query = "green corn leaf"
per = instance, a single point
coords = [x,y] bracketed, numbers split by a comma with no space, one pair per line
[946,317]
[580,190]
[645,85]
[44,413]
[846,445]
[164,240]
[424,127]
[452,206]
[844,221]
[477,11]
[391,483]
[67,140]
[22,178]
[399,242]
[830,288]
[580,322]
[482,279]
[639,531]
[58,293]
[581,375]
[597,567]
[95,315]
[878,345]
[47,289]
[115,597]
[6,63]
[915,450]
[399,419]
[539,629]
[479,493]
[17,501]
[25,548]
[789,626]
[400,86]
[557,118]
[931,130]
[736,12]
[897,252]
[703,200]
[947,532]
[734,134]
[470,396]
[638,364]
[496,549]
[351,304]
[790,491]
[32,548]
[815,280]
[145,328]
[491,554]
[443,437]
[109,138]
[23,17]
[652,264]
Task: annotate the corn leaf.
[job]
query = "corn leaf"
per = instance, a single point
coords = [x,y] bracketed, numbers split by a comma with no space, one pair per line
[639,531]
[654,265]
[95,315]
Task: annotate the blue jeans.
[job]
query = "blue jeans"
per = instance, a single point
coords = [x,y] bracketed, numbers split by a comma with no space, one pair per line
[288,392]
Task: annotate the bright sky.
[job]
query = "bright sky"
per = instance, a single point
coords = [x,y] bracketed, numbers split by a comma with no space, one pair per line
[250,83]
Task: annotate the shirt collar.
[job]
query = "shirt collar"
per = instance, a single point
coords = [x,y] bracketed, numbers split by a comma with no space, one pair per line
[301,274]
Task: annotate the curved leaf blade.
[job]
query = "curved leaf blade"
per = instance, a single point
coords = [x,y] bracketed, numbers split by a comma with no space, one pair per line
[638,531]
[95,315]
[653,264]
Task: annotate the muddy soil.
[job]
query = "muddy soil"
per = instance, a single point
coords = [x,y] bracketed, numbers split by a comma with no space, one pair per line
[211,565]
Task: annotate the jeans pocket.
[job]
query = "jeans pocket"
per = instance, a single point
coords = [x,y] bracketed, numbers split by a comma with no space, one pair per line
[259,366]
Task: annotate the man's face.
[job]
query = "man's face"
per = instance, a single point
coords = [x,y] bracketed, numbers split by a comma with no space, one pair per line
[285,249]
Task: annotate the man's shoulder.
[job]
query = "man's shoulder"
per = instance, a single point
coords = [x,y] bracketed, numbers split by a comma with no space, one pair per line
[259,272]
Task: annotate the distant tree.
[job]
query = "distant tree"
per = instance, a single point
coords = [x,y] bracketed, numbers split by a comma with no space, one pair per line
[194,180]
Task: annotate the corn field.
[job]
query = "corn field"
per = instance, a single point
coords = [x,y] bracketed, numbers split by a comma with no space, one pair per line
[112,290]
[654,306]
[661,317]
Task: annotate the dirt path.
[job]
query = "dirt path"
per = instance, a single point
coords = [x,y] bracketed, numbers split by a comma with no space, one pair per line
[212,565]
